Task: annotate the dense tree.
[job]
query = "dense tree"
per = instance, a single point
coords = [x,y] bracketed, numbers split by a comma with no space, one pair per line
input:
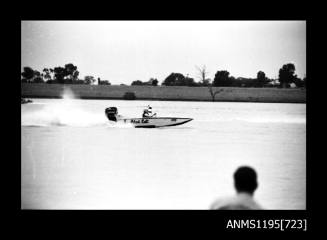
[105,82]
[178,79]
[27,74]
[261,79]
[79,81]
[222,79]
[47,74]
[261,76]
[155,82]
[67,74]
[59,74]
[75,76]
[232,80]
[287,75]
[137,83]
[89,79]
[174,79]
[236,82]
[188,82]
[299,82]
[37,77]
[38,80]
[151,82]
[71,72]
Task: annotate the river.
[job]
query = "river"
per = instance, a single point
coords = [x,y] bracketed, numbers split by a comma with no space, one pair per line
[72,157]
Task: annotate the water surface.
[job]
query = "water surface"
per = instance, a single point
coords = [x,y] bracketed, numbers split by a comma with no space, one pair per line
[73,158]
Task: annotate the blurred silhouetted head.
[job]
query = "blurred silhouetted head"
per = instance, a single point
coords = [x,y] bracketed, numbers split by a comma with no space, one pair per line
[245,179]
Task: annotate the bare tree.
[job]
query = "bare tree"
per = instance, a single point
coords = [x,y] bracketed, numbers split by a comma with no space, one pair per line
[214,93]
[202,75]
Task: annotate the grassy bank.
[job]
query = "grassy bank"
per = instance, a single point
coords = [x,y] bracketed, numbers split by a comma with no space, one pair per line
[229,94]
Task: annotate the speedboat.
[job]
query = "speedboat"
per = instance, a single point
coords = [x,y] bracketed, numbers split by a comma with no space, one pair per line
[145,122]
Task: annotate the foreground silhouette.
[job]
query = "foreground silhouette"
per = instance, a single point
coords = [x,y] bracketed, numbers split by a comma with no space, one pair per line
[245,182]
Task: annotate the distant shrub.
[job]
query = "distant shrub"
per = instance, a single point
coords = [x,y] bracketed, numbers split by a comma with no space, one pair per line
[79,81]
[38,80]
[52,81]
[104,82]
[129,96]
[68,81]
[137,83]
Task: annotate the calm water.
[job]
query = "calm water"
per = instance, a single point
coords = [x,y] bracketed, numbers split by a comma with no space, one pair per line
[73,158]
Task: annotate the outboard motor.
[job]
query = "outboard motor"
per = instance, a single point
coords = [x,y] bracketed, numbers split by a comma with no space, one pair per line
[111,113]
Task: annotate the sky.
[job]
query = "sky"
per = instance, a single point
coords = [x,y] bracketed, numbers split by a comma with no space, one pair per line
[125,51]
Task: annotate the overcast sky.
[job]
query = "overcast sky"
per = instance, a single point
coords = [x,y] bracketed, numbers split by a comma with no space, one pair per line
[124,51]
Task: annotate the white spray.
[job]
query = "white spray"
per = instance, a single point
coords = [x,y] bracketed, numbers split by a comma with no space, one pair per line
[67,111]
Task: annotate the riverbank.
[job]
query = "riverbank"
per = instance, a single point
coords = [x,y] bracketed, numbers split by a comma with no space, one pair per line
[178,93]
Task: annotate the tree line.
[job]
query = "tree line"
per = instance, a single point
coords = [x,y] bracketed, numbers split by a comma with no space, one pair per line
[151,82]
[222,78]
[62,75]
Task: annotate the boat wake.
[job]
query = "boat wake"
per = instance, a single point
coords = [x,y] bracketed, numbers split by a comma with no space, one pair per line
[62,115]
[66,112]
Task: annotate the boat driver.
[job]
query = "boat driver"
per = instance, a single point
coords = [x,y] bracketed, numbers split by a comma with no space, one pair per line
[147,113]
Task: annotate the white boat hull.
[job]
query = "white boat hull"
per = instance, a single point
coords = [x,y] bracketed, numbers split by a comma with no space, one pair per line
[155,122]
[147,122]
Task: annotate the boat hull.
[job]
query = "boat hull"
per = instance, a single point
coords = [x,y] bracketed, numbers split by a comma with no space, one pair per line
[155,122]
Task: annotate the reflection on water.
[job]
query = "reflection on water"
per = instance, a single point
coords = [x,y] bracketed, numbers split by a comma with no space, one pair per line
[76,159]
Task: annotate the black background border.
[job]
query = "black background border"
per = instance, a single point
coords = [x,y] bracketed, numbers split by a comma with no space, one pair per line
[159,222]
